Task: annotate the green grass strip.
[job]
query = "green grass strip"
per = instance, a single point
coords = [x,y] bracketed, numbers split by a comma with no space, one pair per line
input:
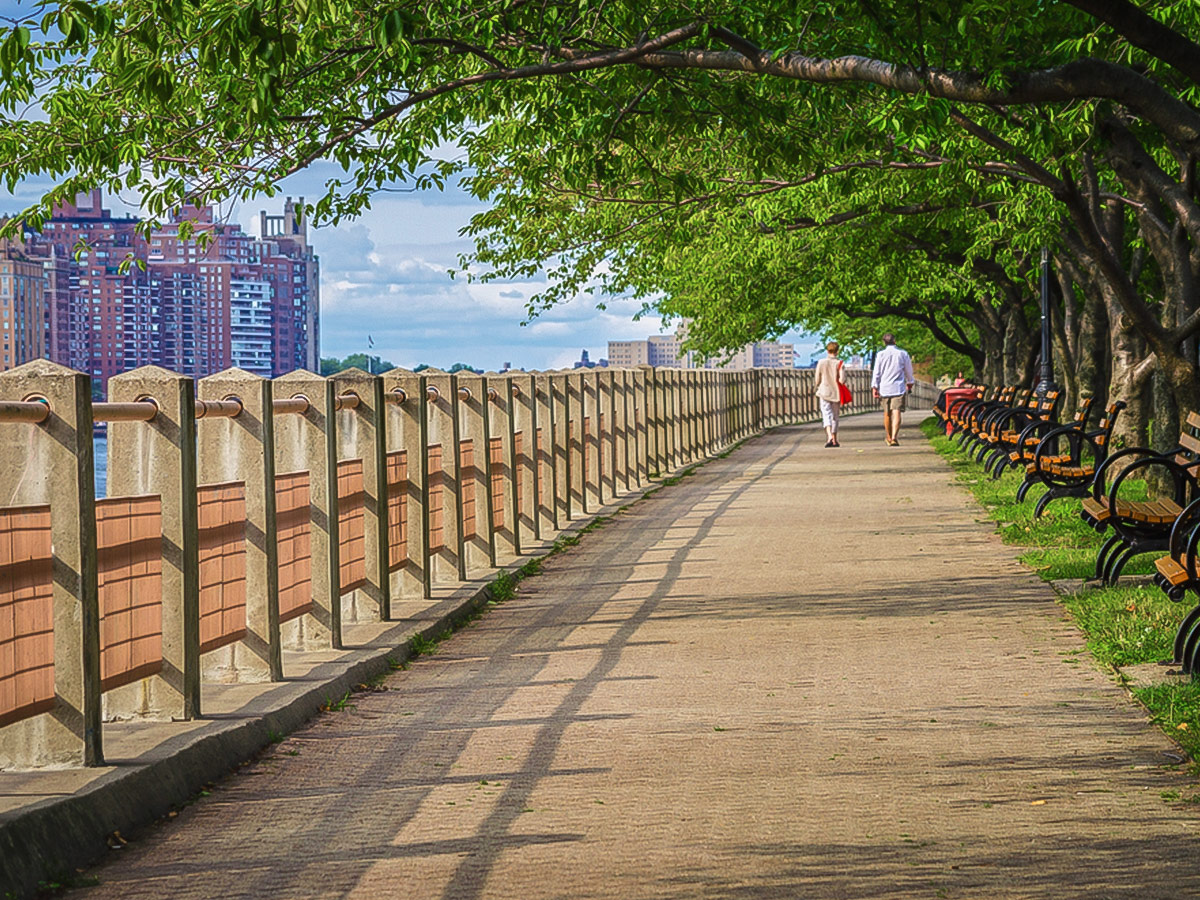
[1123,625]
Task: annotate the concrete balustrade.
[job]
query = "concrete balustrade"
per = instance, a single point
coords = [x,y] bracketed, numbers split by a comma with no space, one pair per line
[306,457]
[407,437]
[248,518]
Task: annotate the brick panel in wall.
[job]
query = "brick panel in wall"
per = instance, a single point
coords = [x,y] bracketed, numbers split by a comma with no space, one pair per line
[293,501]
[26,613]
[397,494]
[221,509]
[130,546]
[519,453]
[352,524]
[466,486]
[587,440]
[496,473]
[540,452]
[437,476]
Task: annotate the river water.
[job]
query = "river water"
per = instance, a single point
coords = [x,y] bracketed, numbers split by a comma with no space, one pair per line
[100,450]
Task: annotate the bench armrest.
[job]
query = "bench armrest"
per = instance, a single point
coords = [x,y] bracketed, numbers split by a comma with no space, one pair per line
[1185,534]
[1102,470]
[1179,475]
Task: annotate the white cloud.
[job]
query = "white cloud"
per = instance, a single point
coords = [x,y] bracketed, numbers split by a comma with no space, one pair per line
[387,275]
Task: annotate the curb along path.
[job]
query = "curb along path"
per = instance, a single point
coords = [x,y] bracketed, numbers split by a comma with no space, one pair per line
[797,672]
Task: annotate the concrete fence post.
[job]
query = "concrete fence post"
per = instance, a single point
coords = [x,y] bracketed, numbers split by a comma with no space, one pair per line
[360,436]
[475,485]
[51,464]
[501,411]
[576,449]
[714,409]
[446,560]
[651,420]
[545,458]
[159,457]
[306,442]
[605,394]
[242,448]
[639,427]
[676,410]
[559,438]
[688,401]
[407,435]
[621,433]
[592,434]
[758,401]
[527,409]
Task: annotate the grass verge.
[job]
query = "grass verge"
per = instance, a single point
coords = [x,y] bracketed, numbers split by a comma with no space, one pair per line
[1123,625]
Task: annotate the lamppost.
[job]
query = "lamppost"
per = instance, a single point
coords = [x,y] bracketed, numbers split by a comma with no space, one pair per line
[1046,373]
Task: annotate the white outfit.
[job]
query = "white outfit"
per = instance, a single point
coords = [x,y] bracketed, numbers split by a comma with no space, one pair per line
[828,377]
[830,410]
[893,372]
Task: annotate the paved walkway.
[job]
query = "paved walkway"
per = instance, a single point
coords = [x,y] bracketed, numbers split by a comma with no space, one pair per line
[769,680]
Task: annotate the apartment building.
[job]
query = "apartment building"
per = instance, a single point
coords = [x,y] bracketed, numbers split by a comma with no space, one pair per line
[666,351]
[22,306]
[196,303]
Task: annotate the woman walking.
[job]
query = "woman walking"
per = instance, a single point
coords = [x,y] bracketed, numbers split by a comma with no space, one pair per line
[829,376]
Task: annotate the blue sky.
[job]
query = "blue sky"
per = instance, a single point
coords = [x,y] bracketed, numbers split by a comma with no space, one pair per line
[387,275]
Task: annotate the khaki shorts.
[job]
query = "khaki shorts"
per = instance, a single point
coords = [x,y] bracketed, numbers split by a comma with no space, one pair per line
[894,404]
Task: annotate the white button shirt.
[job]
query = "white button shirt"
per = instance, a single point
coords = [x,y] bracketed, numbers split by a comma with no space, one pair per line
[893,372]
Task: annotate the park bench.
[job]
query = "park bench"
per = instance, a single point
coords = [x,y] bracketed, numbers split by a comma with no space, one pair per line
[1141,526]
[951,398]
[1024,449]
[1066,458]
[1177,573]
[985,420]
[962,412]
[969,416]
[1010,430]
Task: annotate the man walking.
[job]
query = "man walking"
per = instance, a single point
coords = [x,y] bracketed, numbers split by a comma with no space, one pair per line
[891,381]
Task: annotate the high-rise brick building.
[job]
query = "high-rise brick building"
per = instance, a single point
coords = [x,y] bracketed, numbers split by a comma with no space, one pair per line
[116,299]
[22,306]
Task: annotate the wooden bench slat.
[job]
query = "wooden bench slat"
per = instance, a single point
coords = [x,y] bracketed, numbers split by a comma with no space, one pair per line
[1190,441]
[1170,569]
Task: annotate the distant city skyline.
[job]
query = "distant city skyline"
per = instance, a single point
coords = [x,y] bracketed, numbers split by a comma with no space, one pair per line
[386,287]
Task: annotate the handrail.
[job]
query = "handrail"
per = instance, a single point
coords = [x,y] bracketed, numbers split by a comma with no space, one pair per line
[464,393]
[133,411]
[290,406]
[346,401]
[395,395]
[33,411]
[218,409]
[433,394]
[493,394]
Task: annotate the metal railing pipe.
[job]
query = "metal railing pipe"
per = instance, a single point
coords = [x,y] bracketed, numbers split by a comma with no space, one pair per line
[33,411]
[218,409]
[398,396]
[135,411]
[346,401]
[297,406]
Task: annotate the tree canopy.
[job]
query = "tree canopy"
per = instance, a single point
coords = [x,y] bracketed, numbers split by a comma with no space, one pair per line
[751,166]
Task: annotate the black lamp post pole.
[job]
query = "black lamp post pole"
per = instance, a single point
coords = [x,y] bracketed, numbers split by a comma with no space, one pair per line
[1046,373]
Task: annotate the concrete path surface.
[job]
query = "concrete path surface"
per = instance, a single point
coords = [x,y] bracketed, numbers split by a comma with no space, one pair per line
[799,672]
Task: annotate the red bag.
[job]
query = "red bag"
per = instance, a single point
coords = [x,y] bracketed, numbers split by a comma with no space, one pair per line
[844,395]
